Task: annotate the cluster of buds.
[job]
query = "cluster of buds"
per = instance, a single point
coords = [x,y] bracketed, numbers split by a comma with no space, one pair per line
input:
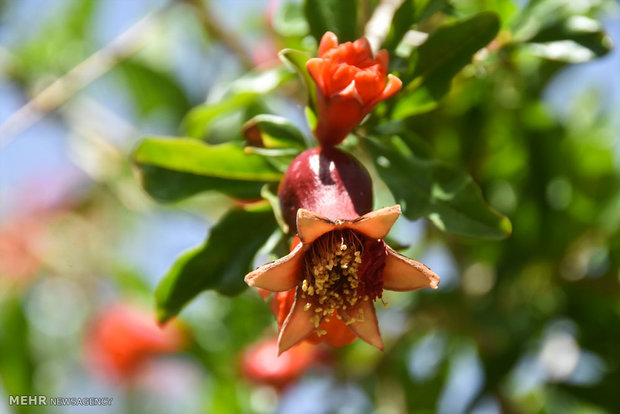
[338,264]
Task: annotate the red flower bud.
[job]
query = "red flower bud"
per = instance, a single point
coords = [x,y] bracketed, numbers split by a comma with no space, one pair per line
[122,338]
[261,363]
[328,182]
[349,84]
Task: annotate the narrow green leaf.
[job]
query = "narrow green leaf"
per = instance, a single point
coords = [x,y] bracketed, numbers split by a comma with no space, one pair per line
[440,58]
[427,188]
[338,16]
[297,59]
[219,264]
[166,185]
[192,156]
[271,131]
[270,193]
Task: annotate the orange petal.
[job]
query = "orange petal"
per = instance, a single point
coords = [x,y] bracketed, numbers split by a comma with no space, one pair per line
[341,78]
[362,47]
[278,276]
[351,92]
[402,273]
[336,333]
[393,86]
[376,224]
[328,41]
[315,68]
[383,59]
[365,325]
[369,83]
[311,226]
[297,326]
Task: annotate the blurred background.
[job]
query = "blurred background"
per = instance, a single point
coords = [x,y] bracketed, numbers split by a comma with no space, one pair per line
[530,324]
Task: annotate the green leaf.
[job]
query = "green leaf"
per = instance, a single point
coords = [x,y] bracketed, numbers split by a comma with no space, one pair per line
[338,16]
[195,157]
[271,131]
[575,39]
[270,193]
[409,13]
[242,93]
[297,59]
[403,20]
[440,58]
[427,188]
[289,20]
[141,79]
[16,363]
[219,264]
[166,185]
[174,169]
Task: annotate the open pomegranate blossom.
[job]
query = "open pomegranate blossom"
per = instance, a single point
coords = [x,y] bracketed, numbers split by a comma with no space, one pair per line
[340,265]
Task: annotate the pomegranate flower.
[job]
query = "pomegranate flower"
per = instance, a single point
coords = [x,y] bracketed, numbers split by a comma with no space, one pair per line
[260,363]
[338,270]
[122,338]
[349,84]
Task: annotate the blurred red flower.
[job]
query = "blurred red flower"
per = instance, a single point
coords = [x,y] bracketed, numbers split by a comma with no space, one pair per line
[350,82]
[22,241]
[122,338]
[260,363]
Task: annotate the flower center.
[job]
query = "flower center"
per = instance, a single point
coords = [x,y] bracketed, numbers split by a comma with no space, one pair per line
[341,269]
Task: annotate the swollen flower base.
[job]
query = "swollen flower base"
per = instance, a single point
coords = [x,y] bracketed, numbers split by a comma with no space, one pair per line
[336,271]
[327,181]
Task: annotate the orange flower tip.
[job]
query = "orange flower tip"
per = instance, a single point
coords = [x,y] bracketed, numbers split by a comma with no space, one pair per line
[314,69]
[376,224]
[311,226]
[383,59]
[404,274]
[279,275]
[363,46]
[297,325]
[351,92]
[328,41]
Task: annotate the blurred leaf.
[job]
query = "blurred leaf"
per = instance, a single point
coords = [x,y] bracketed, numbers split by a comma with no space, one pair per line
[442,56]
[575,39]
[192,156]
[153,90]
[447,197]
[289,20]
[338,16]
[242,93]
[45,52]
[220,263]
[16,365]
[409,13]
[271,131]
[298,60]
